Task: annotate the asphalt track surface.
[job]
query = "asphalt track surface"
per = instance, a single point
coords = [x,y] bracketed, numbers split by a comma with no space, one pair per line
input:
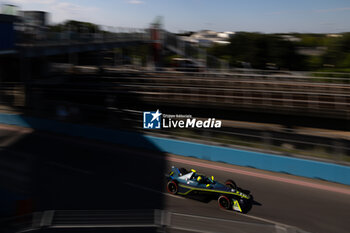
[75,173]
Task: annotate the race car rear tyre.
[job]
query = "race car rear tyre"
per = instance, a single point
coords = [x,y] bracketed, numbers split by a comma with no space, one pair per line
[224,202]
[172,187]
[231,184]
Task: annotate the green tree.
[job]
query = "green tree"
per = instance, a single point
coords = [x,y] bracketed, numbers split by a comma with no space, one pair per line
[75,26]
[338,52]
[258,50]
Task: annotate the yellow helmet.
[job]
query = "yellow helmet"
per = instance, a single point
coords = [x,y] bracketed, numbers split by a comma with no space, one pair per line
[199,178]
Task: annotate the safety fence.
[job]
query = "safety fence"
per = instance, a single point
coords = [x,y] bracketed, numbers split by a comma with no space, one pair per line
[288,93]
[309,143]
[222,73]
[322,145]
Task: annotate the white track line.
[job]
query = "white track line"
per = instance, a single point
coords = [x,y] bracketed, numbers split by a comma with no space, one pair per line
[281,226]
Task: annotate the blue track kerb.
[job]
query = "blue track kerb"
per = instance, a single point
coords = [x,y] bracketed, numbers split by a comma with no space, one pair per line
[264,161]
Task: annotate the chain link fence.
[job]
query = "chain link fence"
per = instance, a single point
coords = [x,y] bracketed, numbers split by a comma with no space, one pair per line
[69,102]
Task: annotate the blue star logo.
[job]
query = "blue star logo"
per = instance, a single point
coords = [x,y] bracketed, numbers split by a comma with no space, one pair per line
[151,120]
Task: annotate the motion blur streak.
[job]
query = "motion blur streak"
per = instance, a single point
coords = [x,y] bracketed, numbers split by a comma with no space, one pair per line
[264,176]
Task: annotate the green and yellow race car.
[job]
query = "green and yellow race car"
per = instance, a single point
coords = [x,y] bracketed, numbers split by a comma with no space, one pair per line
[190,183]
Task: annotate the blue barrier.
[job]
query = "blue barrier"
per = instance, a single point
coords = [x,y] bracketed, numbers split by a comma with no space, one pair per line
[295,166]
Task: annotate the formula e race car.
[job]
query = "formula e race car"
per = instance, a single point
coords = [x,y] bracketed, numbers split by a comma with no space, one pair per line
[192,184]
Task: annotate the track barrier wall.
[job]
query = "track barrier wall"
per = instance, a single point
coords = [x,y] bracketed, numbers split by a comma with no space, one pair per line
[264,161]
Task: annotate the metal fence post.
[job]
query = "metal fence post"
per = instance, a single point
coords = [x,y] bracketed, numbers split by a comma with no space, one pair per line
[36,220]
[266,137]
[162,219]
[47,217]
[338,149]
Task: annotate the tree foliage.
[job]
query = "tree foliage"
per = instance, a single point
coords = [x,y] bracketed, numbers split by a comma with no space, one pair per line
[75,26]
[259,50]
[338,52]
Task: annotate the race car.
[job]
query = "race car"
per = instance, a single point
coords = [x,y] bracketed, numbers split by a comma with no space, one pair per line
[190,183]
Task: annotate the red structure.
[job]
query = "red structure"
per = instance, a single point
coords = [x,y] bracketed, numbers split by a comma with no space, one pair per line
[156,37]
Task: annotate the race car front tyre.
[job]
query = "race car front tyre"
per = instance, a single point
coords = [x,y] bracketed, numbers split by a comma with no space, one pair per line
[246,205]
[172,187]
[224,202]
[231,184]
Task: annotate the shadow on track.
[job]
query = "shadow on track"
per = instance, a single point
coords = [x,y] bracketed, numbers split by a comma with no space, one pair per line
[43,171]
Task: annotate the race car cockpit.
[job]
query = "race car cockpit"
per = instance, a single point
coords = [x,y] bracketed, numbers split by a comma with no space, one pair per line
[193,177]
